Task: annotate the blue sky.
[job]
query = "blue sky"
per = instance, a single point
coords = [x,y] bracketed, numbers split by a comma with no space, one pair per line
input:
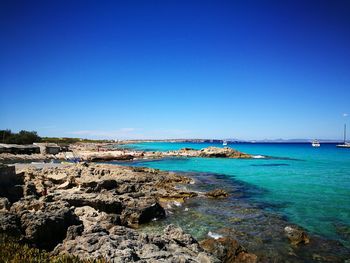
[175,69]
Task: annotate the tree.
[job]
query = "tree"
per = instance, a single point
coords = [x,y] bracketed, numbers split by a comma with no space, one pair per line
[23,137]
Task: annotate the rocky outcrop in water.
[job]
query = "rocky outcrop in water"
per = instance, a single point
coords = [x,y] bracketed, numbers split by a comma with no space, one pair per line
[217,193]
[225,152]
[296,236]
[228,250]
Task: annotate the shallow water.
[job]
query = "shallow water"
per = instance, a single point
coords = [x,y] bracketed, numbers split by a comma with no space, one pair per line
[304,185]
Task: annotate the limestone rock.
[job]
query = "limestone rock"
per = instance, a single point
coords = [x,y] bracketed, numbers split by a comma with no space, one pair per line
[225,152]
[106,202]
[30,189]
[217,193]
[296,236]
[90,217]
[121,244]
[228,250]
[4,204]
[47,227]
[9,223]
[141,212]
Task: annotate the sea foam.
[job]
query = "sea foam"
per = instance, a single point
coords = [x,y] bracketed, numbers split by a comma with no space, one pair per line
[214,235]
[258,156]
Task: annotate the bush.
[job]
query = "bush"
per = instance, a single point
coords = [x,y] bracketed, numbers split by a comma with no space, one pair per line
[23,137]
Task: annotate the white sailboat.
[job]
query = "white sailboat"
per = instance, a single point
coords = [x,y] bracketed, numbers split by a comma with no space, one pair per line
[315,143]
[345,144]
[224,143]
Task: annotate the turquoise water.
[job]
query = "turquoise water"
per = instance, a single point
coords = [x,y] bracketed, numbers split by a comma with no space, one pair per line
[309,186]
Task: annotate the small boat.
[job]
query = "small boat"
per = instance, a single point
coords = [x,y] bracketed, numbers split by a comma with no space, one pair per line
[315,143]
[224,143]
[345,144]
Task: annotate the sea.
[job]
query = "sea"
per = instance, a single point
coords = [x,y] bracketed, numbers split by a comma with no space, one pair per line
[285,183]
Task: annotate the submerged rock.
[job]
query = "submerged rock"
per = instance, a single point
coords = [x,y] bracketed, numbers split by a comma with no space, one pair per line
[228,250]
[217,193]
[296,236]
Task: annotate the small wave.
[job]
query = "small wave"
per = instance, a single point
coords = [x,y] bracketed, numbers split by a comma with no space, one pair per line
[259,156]
[214,235]
[271,164]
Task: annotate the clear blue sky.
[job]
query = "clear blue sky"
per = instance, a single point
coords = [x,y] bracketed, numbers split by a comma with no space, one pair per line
[175,69]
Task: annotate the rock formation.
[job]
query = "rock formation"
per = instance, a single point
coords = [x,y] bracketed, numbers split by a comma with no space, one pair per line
[93,211]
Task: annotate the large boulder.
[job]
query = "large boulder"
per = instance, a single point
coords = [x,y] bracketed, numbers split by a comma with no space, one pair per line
[47,227]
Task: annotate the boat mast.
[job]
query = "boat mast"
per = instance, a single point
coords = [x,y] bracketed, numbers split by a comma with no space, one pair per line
[344,133]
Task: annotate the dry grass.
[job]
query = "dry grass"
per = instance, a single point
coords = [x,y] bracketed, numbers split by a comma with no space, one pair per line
[11,251]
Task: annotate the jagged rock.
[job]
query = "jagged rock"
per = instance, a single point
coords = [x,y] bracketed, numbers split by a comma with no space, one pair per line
[228,250]
[225,152]
[108,184]
[121,244]
[4,204]
[29,203]
[90,217]
[141,212]
[110,157]
[74,231]
[173,232]
[30,189]
[217,193]
[187,149]
[85,211]
[105,202]
[296,236]
[127,188]
[47,227]
[57,178]
[9,224]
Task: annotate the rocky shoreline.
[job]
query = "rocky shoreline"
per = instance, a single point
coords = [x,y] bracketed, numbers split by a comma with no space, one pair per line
[93,211]
[104,152]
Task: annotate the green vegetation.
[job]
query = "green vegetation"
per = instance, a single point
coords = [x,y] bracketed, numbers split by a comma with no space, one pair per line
[23,137]
[14,252]
[28,137]
[67,140]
